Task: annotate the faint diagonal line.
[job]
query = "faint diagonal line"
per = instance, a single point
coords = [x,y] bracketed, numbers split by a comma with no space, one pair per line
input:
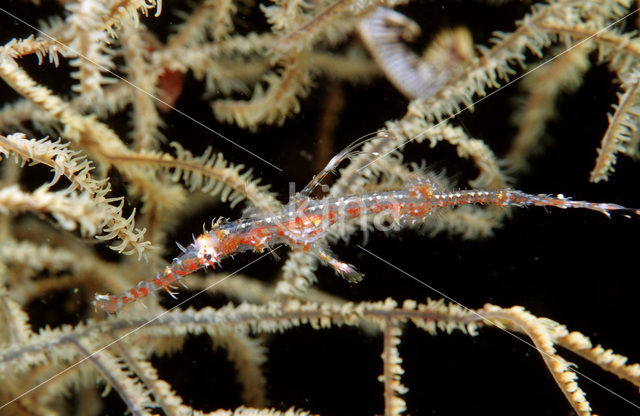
[264,255]
[481,99]
[107,70]
[136,329]
[491,323]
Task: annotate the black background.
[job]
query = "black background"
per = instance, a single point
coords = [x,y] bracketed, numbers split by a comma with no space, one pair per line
[578,268]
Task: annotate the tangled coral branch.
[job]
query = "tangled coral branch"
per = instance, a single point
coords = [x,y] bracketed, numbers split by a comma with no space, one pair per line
[97,87]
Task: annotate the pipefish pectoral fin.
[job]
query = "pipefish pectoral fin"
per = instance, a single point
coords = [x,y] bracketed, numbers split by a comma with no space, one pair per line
[351,275]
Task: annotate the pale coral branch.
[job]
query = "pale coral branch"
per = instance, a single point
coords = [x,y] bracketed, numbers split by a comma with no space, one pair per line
[208,173]
[304,36]
[605,358]
[393,388]
[147,122]
[622,126]
[276,103]
[166,399]
[91,209]
[133,393]
[541,332]
[17,330]
[564,74]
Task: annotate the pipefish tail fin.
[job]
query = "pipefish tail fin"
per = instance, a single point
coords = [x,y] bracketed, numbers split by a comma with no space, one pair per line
[560,201]
[512,198]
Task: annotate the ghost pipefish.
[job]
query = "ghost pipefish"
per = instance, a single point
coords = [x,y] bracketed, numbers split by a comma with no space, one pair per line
[305,221]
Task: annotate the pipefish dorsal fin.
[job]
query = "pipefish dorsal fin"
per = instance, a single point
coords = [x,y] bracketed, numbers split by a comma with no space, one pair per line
[253,212]
[347,153]
[420,185]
